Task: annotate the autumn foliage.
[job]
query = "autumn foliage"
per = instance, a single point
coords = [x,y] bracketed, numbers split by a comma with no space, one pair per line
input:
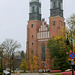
[33,62]
[24,65]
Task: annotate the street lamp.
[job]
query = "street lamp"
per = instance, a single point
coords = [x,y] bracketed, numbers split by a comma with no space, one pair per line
[72,51]
[67,43]
[11,58]
[1,57]
[1,61]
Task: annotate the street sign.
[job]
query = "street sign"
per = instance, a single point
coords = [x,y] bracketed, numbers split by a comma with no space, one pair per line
[72,55]
[72,62]
[45,64]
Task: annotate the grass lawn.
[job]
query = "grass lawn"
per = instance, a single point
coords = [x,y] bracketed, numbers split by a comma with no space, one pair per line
[59,74]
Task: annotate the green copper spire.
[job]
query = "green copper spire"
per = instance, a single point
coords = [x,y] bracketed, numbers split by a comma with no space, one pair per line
[56,8]
[35,10]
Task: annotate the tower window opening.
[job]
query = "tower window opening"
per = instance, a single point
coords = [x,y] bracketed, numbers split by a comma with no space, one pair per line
[54,4]
[58,27]
[32,36]
[59,5]
[33,9]
[32,43]
[54,12]
[37,10]
[32,52]
[32,25]
[61,1]
[53,22]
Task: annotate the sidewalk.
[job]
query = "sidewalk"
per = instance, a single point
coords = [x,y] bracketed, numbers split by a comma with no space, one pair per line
[15,74]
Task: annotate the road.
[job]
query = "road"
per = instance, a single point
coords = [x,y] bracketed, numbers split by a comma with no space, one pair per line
[37,74]
[34,74]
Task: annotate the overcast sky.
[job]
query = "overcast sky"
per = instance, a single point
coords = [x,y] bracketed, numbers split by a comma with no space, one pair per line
[14,15]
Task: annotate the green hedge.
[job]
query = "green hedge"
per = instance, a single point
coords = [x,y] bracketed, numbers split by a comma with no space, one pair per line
[1,71]
[58,74]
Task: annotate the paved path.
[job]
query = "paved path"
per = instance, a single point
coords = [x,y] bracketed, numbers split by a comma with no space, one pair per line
[33,74]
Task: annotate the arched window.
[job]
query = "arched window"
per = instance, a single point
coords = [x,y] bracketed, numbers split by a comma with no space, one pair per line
[59,5]
[43,52]
[33,9]
[31,25]
[54,4]
[32,52]
[37,10]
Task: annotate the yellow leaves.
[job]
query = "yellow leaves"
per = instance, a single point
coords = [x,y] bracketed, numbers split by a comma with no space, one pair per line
[59,37]
[33,61]
[74,50]
[24,65]
[6,63]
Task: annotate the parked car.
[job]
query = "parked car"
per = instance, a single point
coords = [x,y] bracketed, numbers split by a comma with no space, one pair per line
[43,70]
[6,72]
[47,70]
[40,70]
[17,68]
[7,69]
[68,70]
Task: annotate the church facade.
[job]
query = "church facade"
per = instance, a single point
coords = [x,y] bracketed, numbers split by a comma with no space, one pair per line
[39,32]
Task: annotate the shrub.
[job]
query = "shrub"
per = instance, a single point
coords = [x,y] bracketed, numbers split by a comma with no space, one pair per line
[1,71]
[68,73]
[55,71]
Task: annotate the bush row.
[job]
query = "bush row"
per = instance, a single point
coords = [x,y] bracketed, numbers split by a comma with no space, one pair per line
[55,71]
[68,73]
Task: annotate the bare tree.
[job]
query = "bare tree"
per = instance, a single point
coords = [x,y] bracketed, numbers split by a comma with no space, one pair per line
[9,46]
[71,23]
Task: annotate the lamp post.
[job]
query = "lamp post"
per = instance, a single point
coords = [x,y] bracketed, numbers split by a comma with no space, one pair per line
[10,61]
[11,58]
[1,61]
[67,43]
[43,59]
[1,57]
[72,51]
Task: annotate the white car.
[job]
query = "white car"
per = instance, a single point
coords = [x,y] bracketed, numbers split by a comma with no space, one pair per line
[68,70]
[40,71]
[6,72]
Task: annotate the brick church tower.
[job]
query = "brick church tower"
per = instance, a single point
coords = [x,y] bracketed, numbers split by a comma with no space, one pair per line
[56,20]
[39,32]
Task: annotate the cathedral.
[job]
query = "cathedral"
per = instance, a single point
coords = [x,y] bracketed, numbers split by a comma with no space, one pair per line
[39,32]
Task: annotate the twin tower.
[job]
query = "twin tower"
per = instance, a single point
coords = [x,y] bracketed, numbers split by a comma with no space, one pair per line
[39,32]
[56,9]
